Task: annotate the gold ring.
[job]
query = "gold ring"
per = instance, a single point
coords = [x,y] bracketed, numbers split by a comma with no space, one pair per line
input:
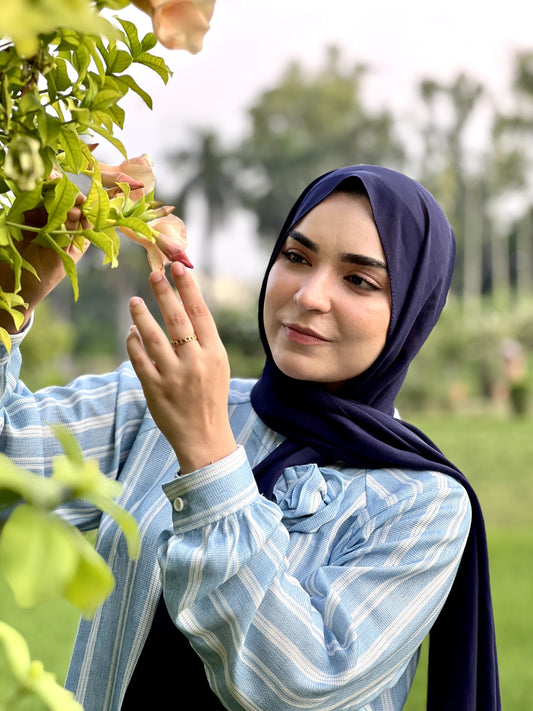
[181,341]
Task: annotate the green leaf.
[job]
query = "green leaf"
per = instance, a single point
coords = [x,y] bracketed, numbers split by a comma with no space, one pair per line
[44,686]
[5,239]
[132,37]
[16,650]
[60,201]
[108,135]
[154,63]
[70,444]
[92,581]
[31,677]
[5,339]
[17,317]
[118,61]
[97,58]
[130,83]
[137,225]
[61,76]
[81,59]
[29,102]
[49,128]
[36,555]
[107,240]
[124,520]
[68,263]
[70,40]
[149,42]
[24,201]
[118,115]
[96,207]
[106,99]
[36,490]
[70,142]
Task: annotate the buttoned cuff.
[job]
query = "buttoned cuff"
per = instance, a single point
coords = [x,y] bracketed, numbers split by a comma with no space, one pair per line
[212,493]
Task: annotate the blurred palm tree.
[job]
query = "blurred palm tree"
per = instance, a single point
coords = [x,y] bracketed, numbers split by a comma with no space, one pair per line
[210,175]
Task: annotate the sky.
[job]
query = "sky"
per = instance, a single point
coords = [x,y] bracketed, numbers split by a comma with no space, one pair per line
[251,42]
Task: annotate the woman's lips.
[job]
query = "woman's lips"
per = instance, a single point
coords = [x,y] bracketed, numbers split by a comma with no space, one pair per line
[301,335]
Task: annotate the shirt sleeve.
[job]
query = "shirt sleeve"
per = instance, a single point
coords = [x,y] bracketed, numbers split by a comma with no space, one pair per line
[323,610]
[104,413]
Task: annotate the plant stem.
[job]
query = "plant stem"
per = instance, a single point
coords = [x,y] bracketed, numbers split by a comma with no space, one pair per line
[40,229]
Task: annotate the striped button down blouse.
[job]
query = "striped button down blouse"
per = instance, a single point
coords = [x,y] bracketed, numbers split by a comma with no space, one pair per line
[319,600]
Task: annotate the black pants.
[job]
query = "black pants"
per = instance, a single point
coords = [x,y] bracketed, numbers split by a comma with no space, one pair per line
[168,671]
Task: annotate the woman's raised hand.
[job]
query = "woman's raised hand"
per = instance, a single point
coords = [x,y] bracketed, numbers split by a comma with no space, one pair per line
[185,379]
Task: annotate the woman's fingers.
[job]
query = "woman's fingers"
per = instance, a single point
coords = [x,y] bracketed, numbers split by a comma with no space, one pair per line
[187,315]
[143,365]
[193,302]
[149,338]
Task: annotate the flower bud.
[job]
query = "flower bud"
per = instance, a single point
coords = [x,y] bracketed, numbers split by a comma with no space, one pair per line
[171,238]
[170,242]
[23,163]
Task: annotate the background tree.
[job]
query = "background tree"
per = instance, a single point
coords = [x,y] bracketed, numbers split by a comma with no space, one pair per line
[210,175]
[448,161]
[306,125]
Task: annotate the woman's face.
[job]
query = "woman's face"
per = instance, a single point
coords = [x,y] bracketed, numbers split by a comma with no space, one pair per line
[327,302]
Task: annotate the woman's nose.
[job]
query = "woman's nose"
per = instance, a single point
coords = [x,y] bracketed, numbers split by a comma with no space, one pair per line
[314,293]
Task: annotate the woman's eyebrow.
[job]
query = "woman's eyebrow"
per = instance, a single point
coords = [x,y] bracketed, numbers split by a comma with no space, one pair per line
[359,259]
[364,261]
[303,240]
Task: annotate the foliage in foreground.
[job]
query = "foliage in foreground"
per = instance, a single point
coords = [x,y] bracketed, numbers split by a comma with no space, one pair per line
[64,69]
[42,557]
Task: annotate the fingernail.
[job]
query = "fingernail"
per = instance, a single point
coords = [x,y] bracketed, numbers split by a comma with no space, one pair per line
[135,301]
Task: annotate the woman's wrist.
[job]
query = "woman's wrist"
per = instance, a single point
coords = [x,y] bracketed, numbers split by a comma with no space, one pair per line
[205,453]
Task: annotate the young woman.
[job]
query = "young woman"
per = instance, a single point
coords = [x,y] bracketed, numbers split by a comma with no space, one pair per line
[299,540]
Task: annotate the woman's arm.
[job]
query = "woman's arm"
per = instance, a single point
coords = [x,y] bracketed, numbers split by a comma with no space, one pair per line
[104,412]
[320,611]
[46,263]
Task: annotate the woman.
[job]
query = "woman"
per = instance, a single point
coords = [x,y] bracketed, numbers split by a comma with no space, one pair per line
[309,540]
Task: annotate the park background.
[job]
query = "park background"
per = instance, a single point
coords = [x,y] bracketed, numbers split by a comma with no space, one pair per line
[281,92]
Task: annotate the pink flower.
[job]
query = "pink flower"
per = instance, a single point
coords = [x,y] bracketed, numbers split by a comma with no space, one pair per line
[170,242]
[137,172]
[179,24]
[171,238]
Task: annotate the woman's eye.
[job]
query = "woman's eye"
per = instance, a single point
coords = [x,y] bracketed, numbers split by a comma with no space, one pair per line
[292,257]
[362,283]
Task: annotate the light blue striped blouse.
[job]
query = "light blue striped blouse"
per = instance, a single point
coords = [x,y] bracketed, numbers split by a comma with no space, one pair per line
[319,601]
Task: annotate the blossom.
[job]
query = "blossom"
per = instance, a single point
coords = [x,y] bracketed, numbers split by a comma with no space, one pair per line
[23,163]
[137,172]
[171,238]
[179,24]
[170,243]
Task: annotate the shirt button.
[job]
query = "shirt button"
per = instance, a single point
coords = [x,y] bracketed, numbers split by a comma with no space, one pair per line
[178,504]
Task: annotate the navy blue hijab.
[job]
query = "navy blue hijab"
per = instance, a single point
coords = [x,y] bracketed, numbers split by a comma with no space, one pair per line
[356,423]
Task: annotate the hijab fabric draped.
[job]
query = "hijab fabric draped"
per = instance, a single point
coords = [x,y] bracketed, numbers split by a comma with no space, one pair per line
[356,423]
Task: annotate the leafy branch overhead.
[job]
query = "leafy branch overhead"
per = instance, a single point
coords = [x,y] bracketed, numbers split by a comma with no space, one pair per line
[64,71]
[57,99]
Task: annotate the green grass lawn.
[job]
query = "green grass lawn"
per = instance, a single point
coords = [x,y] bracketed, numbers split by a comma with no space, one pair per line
[496,454]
